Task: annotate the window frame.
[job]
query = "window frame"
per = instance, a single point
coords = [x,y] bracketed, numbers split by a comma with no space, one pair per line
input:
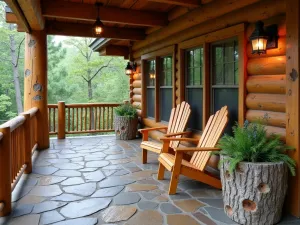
[157,55]
[238,32]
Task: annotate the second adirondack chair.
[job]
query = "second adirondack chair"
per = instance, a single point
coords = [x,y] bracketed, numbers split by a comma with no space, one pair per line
[195,168]
[177,124]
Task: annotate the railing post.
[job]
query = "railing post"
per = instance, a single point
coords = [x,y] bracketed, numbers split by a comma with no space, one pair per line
[5,171]
[61,133]
[27,138]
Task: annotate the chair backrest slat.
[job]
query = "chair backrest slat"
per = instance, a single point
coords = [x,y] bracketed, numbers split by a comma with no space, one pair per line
[178,120]
[210,136]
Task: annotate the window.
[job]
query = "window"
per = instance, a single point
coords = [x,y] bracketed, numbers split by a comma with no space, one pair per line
[150,76]
[194,88]
[165,76]
[224,76]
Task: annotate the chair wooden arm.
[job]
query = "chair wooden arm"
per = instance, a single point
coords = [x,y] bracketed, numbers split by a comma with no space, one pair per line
[168,139]
[152,128]
[196,149]
[176,134]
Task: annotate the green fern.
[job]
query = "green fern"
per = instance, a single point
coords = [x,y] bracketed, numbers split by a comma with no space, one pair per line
[250,143]
[127,110]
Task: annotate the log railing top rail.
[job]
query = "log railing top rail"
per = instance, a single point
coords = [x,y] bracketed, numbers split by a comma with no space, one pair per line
[87,105]
[1,136]
[14,123]
[52,106]
[31,111]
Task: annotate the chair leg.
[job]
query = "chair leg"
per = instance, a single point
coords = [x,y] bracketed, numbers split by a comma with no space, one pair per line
[174,183]
[144,156]
[161,172]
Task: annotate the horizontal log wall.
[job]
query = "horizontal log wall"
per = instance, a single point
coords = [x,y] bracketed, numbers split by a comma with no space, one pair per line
[266,83]
[136,90]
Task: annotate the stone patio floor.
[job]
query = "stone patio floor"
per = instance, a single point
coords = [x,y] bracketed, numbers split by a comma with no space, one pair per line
[98,180]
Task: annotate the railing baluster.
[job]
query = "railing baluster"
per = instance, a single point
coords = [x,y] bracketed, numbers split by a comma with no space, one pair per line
[73,118]
[85,120]
[91,119]
[77,119]
[69,120]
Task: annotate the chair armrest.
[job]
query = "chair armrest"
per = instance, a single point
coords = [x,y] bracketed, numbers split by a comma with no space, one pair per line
[152,128]
[167,139]
[176,134]
[196,149]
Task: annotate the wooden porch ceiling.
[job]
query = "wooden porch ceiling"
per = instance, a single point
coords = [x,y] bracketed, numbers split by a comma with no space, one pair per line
[62,17]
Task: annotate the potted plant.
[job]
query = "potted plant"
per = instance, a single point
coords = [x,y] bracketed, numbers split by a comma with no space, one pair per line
[126,120]
[254,173]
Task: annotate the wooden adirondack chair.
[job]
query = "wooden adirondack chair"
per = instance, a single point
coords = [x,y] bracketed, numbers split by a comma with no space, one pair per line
[177,124]
[195,167]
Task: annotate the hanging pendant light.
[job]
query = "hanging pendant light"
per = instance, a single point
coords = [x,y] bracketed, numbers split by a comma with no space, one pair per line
[98,25]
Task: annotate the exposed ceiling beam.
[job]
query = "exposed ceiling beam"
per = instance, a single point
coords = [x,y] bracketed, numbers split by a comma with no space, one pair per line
[15,8]
[88,12]
[115,50]
[33,13]
[10,18]
[188,3]
[86,30]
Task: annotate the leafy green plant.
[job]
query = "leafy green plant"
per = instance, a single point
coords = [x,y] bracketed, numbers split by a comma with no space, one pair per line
[250,143]
[127,110]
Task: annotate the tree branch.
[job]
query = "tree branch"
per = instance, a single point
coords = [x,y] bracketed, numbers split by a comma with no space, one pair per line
[84,78]
[101,68]
[19,47]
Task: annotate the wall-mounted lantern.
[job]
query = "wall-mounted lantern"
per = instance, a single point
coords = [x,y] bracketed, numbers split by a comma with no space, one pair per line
[130,68]
[98,25]
[264,38]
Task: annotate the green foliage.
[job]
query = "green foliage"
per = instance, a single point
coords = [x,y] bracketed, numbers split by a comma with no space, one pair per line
[5,104]
[250,143]
[127,110]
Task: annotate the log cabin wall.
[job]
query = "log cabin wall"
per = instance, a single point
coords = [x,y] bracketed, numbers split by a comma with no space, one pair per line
[266,83]
[260,96]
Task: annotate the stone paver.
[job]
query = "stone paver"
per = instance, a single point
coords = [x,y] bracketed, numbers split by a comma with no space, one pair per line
[32,219]
[149,217]
[46,191]
[84,207]
[127,198]
[108,192]
[47,206]
[114,181]
[67,198]
[86,189]
[98,180]
[169,208]
[190,205]
[73,181]
[181,219]
[80,221]
[140,187]
[144,205]
[118,213]
[48,180]
[51,217]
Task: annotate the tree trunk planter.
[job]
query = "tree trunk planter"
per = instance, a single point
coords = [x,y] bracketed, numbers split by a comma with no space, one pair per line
[254,193]
[125,127]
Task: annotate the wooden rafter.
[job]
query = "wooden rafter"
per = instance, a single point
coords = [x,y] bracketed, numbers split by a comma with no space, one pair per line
[188,3]
[86,30]
[33,13]
[88,12]
[22,21]
[115,50]
[10,18]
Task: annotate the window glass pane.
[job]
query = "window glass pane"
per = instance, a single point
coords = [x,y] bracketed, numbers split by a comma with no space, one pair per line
[166,71]
[218,54]
[190,75]
[218,74]
[190,58]
[197,76]
[229,52]
[194,97]
[150,72]
[197,58]
[229,74]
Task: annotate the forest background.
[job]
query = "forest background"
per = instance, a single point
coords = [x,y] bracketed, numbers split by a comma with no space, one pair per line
[76,74]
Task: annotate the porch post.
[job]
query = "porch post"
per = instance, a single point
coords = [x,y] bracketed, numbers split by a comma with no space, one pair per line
[292,99]
[35,82]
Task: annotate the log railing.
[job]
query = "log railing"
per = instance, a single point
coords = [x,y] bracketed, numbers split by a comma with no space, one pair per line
[81,118]
[18,139]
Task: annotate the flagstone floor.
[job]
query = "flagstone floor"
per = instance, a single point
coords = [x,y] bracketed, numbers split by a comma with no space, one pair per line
[98,180]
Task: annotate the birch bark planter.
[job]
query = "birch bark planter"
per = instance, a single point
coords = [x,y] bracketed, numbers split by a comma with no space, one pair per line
[254,193]
[125,127]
